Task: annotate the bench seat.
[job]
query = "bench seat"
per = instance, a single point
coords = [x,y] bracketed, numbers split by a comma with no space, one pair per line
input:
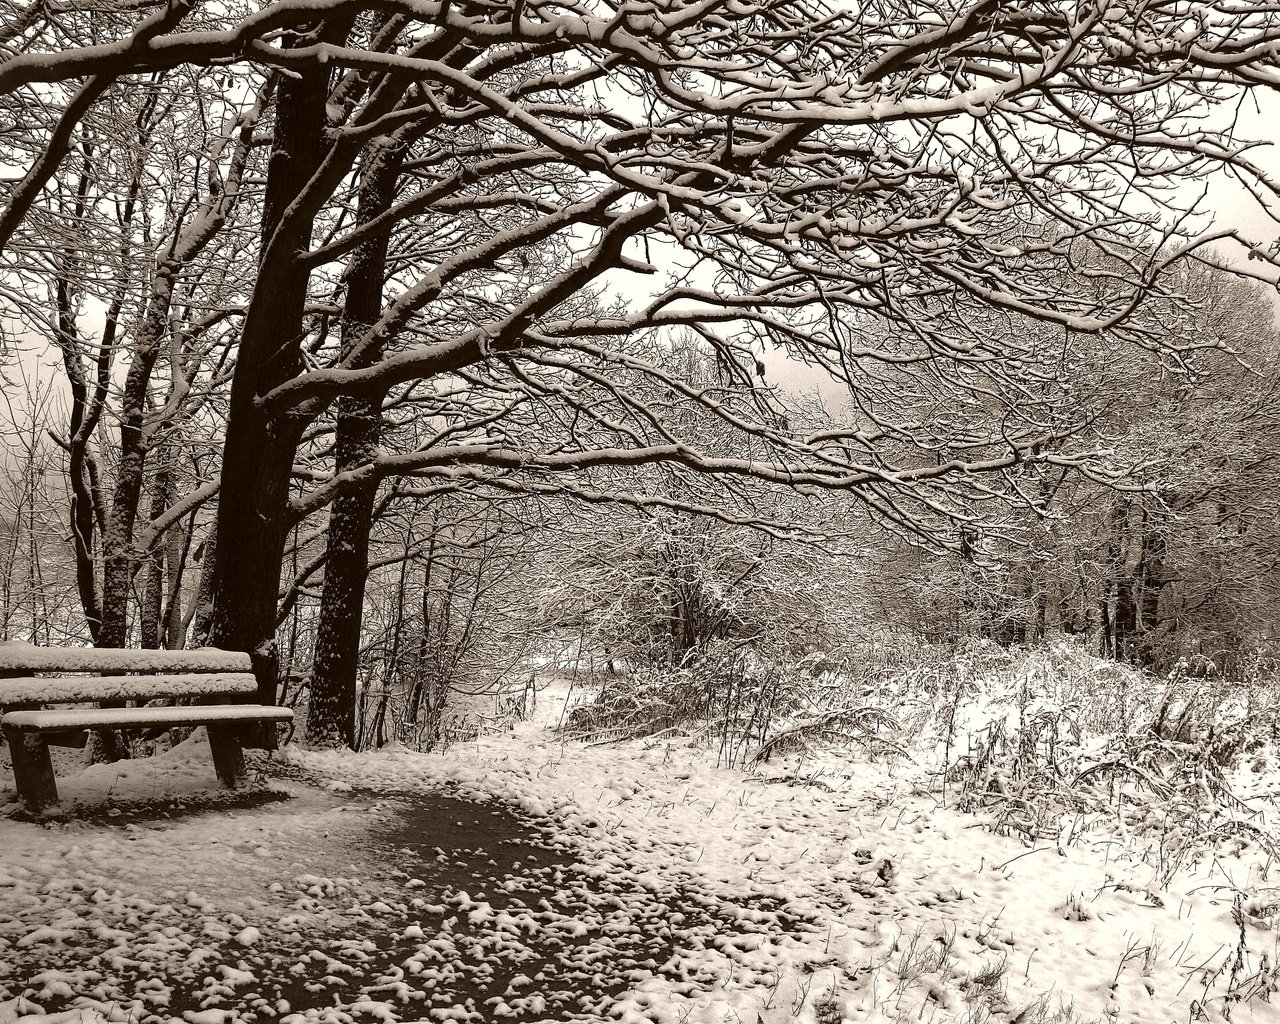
[62,719]
[16,658]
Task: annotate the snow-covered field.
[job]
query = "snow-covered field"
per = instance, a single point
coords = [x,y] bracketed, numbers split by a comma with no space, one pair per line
[638,881]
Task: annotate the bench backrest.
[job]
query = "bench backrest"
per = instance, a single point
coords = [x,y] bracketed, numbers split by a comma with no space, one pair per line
[44,675]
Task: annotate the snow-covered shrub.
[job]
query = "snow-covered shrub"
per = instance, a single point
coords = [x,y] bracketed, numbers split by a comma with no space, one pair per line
[750,703]
[719,631]
[1056,735]
[718,693]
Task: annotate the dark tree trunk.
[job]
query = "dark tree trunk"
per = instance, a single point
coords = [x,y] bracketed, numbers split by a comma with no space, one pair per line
[257,457]
[86,407]
[150,626]
[117,573]
[424,663]
[179,547]
[239,592]
[331,709]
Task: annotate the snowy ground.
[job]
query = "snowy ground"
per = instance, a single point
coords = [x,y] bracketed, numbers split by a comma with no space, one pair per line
[519,877]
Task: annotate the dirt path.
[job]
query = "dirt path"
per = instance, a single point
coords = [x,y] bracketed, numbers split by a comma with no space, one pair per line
[518,877]
[414,906]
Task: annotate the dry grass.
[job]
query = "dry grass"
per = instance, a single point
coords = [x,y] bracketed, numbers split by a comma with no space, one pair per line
[1043,742]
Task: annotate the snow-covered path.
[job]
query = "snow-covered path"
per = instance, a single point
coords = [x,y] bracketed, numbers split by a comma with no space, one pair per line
[675,891]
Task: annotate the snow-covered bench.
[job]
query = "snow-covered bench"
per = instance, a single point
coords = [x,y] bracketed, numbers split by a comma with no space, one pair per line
[34,676]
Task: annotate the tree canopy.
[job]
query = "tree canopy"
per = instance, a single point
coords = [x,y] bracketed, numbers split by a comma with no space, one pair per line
[452,243]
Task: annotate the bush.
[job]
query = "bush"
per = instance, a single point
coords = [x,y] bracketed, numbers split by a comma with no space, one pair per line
[750,704]
[1067,735]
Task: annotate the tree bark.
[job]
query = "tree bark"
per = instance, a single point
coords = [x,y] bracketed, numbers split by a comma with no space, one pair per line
[117,554]
[85,408]
[332,706]
[178,546]
[331,710]
[238,601]
[152,610]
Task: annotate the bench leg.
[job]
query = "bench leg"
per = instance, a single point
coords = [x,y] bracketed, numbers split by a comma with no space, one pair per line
[228,759]
[32,769]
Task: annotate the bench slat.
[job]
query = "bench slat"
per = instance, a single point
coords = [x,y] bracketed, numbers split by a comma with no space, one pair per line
[27,658]
[70,689]
[141,718]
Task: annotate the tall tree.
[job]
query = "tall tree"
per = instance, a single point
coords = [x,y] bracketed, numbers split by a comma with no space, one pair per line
[358,430]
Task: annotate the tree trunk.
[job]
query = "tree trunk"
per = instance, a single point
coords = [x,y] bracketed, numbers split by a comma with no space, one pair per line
[85,408]
[238,602]
[178,547]
[331,709]
[117,553]
[1126,590]
[152,610]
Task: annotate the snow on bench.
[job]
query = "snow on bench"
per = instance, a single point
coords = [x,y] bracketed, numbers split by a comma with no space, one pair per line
[80,689]
[128,675]
[18,658]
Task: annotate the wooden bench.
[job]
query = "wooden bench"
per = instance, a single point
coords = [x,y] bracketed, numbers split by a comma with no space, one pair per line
[34,676]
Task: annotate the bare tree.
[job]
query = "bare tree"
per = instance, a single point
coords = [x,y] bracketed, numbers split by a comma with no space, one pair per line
[114,268]
[1175,555]
[35,564]
[869,190]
